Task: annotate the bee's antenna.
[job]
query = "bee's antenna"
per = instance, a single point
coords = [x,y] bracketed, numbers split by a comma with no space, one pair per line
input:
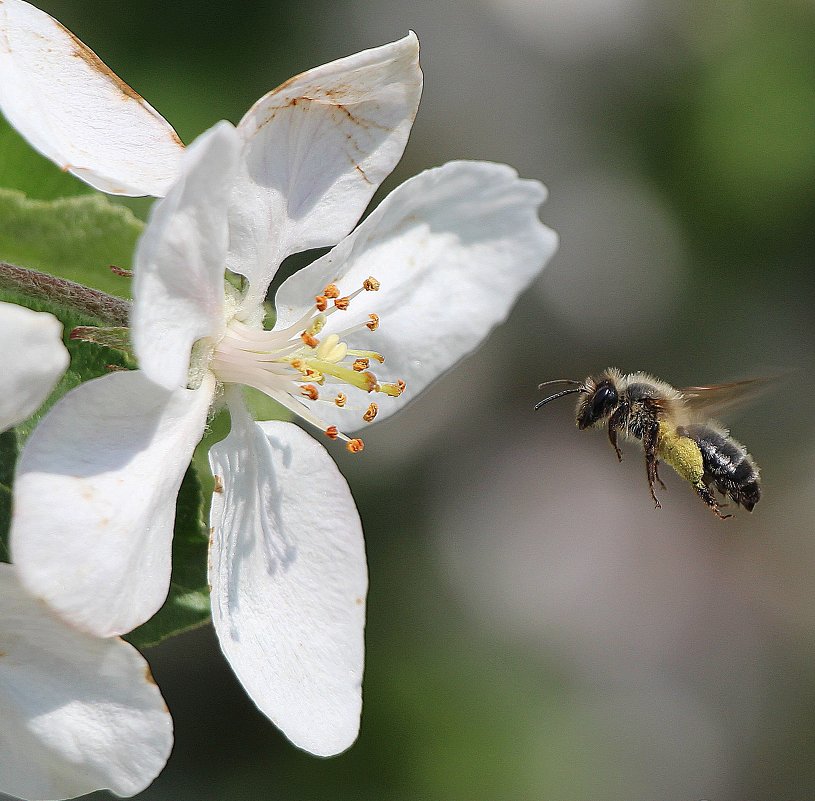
[561,381]
[560,394]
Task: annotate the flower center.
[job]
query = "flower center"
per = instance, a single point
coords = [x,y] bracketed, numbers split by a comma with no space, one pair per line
[300,369]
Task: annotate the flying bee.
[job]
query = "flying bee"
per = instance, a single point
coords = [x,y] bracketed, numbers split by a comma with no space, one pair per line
[673,425]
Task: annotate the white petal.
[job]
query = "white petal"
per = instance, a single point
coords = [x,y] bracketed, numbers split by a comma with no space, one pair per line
[69,106]
[288,576]
[453,248]
[317,148]
[79,713]
[94,499]
[32,360]
[178,281]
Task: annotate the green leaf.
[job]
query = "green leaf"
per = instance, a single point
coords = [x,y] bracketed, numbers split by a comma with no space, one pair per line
[21,167]
[187,605]
[76,238]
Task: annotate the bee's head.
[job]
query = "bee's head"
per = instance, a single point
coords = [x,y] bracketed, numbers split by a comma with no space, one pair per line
[598,399]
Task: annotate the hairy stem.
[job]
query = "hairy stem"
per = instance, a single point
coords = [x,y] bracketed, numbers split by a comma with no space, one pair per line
[108,309]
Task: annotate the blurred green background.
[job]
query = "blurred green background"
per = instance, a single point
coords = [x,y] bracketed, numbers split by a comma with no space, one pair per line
[536,630]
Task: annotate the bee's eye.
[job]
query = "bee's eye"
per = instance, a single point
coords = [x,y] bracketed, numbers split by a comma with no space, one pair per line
[605,397]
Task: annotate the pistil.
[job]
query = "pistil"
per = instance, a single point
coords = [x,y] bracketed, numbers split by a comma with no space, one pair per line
[291,364]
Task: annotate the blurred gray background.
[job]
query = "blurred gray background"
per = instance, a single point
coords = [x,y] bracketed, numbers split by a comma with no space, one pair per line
[536,629]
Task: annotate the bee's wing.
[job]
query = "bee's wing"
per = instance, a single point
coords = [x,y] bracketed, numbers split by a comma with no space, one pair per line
[711,401]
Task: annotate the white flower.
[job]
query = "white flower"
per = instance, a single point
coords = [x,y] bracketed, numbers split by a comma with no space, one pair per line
[419,284]
[79,713]
[32,360]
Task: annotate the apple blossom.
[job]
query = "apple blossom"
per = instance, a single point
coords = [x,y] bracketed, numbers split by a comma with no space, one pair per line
[79,713]
[32,360]
[416,287]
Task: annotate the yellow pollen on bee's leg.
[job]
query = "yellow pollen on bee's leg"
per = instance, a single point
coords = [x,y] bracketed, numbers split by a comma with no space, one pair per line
[341,399]
[355,445]
[331,291]
[309,391]
[370,413]
[361,364]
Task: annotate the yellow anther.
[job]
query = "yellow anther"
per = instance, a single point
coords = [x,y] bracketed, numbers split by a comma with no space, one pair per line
[331,291]
[309,339]
[309,391]
[340,400]
[394,390]
[342,303]
[374,322]
[331,432]
[370,413]
[361,364]
[367,354]
[370,284]
[355,445]
[321,302]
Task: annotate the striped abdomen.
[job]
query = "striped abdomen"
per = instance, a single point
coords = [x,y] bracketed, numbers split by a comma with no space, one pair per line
[727,464]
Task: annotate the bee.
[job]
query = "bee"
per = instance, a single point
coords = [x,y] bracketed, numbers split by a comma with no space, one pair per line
[673,426]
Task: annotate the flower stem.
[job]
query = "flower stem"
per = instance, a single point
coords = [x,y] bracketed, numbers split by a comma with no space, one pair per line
[108,309]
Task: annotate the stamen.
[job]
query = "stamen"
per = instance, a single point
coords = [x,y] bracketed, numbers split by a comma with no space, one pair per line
[367,354]
[317,325]
[394,390]
[291,363]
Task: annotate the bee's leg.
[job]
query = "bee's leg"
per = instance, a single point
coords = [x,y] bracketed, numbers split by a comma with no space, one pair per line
[656,475]
[707,496]
[614,423]
[649,444]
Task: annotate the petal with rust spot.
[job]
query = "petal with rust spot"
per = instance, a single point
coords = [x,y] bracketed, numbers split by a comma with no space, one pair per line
[75,111]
